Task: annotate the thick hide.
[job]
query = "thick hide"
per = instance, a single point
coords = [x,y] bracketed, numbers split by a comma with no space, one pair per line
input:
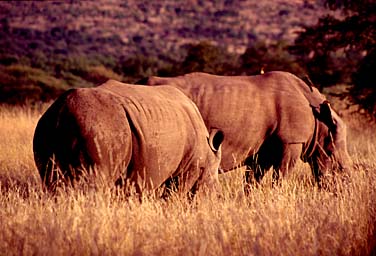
[125,132]
[268,120]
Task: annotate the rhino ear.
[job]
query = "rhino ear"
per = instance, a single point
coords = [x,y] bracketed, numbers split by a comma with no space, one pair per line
[215,139]
[324,114]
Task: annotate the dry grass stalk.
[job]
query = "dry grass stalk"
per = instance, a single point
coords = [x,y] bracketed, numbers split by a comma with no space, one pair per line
[293,218]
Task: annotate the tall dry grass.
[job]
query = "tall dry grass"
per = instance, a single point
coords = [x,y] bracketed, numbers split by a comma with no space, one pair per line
[294,218]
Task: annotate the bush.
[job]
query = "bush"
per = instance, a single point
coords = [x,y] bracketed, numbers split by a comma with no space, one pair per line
[205,57]
[100,74]
[20,84]
[136,67]
[269,57]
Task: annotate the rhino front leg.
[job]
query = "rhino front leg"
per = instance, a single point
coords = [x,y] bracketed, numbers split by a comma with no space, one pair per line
[282,157]
[290,155]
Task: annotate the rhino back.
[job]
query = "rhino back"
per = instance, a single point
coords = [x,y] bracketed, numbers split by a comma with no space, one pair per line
[289,80]
[168,131]
[102,122]
[92,133]
[247,109]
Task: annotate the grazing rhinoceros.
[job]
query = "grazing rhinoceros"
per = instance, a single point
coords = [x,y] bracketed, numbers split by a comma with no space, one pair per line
[143,135]
[269,120]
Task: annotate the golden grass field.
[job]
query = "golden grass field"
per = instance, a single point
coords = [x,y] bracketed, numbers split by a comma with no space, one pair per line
[293,218]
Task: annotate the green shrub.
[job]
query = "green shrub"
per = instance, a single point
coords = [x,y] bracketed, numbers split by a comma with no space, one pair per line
[136,67]
[269,57]
[206,57]
[100,74]
[20,84]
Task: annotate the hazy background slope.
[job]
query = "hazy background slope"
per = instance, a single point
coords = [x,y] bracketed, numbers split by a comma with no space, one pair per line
[47,47]
[153,27]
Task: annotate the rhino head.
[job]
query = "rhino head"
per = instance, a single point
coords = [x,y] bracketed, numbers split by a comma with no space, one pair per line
[215,140]
[209,168]
[328,145]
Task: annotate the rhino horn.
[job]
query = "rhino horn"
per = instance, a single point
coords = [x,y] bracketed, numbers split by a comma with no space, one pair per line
[215,139]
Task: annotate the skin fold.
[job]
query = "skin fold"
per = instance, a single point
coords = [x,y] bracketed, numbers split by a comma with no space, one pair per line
[121,133]
[268,120]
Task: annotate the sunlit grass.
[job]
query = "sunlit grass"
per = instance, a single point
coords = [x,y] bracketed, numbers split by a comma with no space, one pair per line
[16,133]
[293,218]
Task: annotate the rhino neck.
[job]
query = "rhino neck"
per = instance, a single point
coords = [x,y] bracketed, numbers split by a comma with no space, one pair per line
[311,145]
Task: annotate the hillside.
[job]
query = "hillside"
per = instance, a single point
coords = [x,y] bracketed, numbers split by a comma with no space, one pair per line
[152,27]
[47,47]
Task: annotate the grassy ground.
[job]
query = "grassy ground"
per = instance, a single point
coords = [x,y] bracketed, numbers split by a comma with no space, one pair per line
[294,218]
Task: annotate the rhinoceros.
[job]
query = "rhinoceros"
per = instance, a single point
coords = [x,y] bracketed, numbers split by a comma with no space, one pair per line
[268,120]
[142,135]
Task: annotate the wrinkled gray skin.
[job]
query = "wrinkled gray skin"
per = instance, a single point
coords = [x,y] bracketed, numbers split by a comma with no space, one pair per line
[268,120]
[142,135]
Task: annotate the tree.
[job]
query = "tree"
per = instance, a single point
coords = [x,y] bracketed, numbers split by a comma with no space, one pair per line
[364,91]
[205,57]
[340,48]
[261,56]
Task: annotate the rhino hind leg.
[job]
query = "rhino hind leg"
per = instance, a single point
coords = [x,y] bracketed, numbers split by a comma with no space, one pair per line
[171,185]
[255,171]
[269,155]
[273,153]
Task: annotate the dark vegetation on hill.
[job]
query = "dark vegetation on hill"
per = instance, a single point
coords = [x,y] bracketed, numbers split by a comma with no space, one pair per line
[47,47]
